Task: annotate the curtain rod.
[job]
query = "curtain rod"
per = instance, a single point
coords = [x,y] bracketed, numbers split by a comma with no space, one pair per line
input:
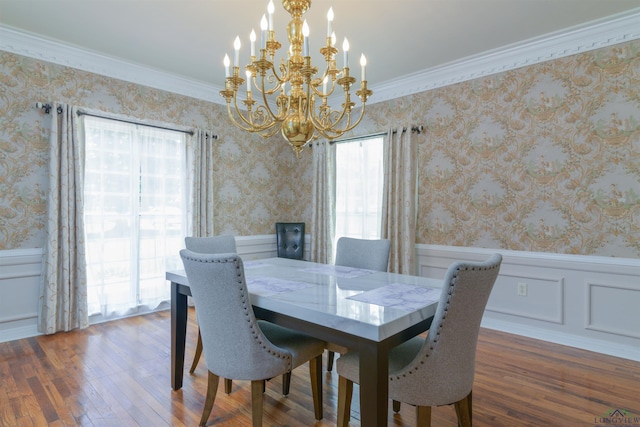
[47,109]
[135,122]
[414,129]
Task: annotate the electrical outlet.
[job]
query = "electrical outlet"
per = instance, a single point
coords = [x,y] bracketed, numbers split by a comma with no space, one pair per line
[522,289]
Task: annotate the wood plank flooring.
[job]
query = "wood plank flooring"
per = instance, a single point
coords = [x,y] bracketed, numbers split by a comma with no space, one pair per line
[117,374]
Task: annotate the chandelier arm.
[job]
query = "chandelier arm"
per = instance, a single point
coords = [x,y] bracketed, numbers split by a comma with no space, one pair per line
[326,131]
[332,124]
[235,122]
[349,126]
[278,84]
[326,74]
[319,127]
[329,136]
[357,121]
[248,121]
[310,98]
[317,82]
[331,132]
[274,117]
[272,131]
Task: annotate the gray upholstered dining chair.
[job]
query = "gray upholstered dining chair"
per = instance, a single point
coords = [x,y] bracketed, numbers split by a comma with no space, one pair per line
[290,239]
[438,370]
[209,245]
[238,346]
[363,253]
[369,254]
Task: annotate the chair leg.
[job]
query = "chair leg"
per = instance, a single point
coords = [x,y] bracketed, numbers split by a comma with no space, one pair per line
[330,356]
[315,375]
[286,383]
[396,406]
[257,388]
[463,410]
[212,388]
[196,357]
[423,416]
[228,384]
[345,392]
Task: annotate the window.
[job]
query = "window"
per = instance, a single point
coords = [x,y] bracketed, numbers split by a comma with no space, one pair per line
[135,214]
[359,182]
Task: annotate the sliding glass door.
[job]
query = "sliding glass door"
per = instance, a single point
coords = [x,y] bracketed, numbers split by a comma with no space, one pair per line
[135,214]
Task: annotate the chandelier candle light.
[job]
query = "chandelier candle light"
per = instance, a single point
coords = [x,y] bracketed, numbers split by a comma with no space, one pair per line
[296,113]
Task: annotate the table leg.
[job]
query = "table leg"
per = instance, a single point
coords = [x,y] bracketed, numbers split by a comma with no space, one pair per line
[178,335]
[374,384]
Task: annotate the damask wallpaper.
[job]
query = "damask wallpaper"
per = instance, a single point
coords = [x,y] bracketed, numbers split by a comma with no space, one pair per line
[542,158]
[252,174]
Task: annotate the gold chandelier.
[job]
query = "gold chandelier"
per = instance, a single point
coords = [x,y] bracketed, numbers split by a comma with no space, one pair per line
[303,113]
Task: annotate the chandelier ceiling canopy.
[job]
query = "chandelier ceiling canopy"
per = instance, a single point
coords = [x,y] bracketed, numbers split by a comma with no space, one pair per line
[293,96]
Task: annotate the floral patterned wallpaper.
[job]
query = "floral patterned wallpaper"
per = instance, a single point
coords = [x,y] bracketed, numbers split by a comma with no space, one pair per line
[251,175]
[542,158]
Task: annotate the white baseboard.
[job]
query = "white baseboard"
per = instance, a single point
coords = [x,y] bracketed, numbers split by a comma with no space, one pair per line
[18,333]
[630,352]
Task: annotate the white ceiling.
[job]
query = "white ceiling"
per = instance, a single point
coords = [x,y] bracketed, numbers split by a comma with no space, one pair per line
[189,38]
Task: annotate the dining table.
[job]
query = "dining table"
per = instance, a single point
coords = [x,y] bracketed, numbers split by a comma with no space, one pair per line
[362,310]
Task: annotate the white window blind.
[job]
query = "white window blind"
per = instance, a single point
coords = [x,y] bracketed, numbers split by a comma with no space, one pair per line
[135,214]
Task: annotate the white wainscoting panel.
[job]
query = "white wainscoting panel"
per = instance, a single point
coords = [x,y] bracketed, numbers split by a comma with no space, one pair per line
[581,301]
[20,272]
[613,308]
[544,299]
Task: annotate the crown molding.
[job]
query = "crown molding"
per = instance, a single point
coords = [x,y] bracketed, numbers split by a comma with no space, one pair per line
[596,34]
[34,46]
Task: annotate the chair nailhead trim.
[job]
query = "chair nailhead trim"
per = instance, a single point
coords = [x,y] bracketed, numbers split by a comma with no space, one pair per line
[454,279]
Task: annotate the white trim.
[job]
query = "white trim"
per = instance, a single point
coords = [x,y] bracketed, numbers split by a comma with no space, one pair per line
[632,332]
[35,46]
[596,34]
[589,263]
[25,316]
[559,299]
[18,253]
[19,333]
[630,352]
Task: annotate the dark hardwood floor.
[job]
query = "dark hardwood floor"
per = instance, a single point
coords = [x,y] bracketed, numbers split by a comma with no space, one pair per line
[117,374]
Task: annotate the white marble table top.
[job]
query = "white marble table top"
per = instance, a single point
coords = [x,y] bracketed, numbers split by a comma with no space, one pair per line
[368,304]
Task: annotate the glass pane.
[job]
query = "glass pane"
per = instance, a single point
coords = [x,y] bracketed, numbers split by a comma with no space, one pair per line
[135,213]
[359,183]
